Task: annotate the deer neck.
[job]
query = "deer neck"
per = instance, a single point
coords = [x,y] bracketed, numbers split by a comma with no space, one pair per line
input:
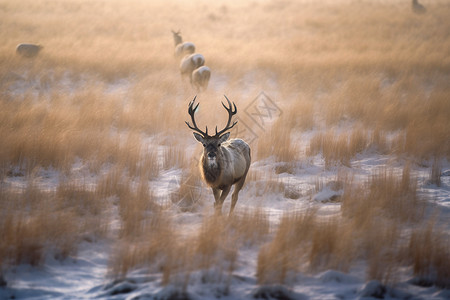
[211,170]
[177,40]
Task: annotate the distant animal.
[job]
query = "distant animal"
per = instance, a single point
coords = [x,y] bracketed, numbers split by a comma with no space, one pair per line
[177,39]
[417,7]
[189,63]
[224,162]
[200,78]
[182,48]
[28,50]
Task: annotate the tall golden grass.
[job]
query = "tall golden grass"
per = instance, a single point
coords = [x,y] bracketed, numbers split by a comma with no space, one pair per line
[37,223]
[105,92]
[374,225]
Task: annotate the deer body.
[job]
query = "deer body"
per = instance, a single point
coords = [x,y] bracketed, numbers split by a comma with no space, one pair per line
[224,162]
[190,63]
[200,78]
[230,165]
[184,49]
[28,50]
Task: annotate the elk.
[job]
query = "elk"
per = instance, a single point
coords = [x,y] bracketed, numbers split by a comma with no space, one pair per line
[190,63]
[182,49]
[200,78]
[417,7]
[28,50]
[224,162]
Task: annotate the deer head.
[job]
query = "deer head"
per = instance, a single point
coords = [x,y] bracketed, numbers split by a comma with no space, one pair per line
[177,39]
[211,143]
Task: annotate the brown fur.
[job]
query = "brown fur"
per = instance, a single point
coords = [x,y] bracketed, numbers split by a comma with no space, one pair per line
[224,162]
[200,78]
[28,50]
[231,167]
[190,63]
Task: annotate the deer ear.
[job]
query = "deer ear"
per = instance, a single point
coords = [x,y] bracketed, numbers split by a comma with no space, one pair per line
[198,137]
[224,137]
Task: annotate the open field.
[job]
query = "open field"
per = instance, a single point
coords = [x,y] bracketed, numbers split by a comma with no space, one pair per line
[345,105]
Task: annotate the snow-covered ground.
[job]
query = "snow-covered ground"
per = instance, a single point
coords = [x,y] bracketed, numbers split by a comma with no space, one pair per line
[85,276]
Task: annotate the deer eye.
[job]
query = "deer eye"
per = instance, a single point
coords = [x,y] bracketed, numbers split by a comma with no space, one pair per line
[204,145]
[218,145]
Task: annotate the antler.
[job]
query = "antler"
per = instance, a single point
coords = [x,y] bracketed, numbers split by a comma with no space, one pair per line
[231,113]
[191,111]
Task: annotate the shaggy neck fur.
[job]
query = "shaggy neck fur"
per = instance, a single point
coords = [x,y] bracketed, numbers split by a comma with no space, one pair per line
[211,170]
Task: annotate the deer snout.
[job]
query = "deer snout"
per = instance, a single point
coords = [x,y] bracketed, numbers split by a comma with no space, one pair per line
[211,155]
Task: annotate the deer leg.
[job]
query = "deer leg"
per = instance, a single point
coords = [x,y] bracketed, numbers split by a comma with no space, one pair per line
[234,197]
[217,204]
[219,200]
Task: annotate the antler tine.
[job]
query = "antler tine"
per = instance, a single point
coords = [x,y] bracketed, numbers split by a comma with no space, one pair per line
[231,113]
[191,111]
[229,106]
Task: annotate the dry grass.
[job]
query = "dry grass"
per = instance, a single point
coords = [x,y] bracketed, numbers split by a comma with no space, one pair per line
[251,227]
[338,149]
[153,241]
[278,143]
[53,134]
[264,184]
[108,96]
[54,223]
[189,195]
[299,114]
[385,194]
[212,250]
[429,252]
[435,174]
[284,254]
[380,141]
[110,183]
[402,106]
[306,242]
[374,227]
[134,208]
[174,157]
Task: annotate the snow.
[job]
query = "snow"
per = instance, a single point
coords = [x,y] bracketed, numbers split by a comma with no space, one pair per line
[73,277]
[86,275]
